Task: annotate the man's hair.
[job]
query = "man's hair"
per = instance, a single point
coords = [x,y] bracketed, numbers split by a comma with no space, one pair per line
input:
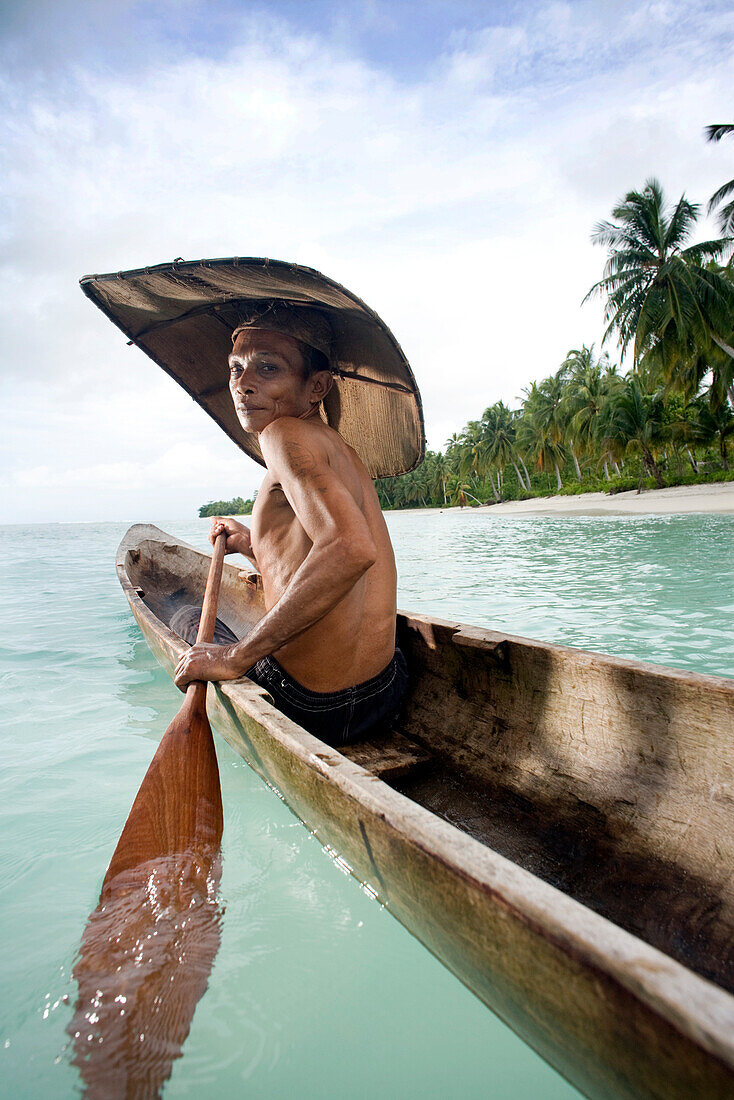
[313,359]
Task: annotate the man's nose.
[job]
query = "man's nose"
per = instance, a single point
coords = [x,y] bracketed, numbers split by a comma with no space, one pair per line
[245,383]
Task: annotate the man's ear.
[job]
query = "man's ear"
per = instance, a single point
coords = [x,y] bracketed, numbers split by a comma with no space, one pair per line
[321,382]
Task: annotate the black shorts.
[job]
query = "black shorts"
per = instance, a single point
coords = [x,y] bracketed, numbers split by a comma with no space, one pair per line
[336,717]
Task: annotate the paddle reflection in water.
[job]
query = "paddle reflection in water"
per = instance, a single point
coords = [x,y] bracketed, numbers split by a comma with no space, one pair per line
[145,960]
[148,948]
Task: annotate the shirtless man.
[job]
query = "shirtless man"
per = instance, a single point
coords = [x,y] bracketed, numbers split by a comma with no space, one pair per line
[325,649]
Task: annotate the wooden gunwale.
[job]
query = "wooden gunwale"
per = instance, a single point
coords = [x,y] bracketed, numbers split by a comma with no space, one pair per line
[613,1014]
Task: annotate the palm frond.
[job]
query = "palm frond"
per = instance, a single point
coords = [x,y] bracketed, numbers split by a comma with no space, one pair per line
[681,223]
[705,251]
[724,191]
[726,213]
[726,219]
[718,131]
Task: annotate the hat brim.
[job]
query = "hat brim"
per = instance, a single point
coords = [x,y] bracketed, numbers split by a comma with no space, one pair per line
[182,315]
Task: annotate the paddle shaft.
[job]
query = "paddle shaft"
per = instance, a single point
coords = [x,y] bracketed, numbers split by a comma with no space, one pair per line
[196,690]
[208,618]
[179,805]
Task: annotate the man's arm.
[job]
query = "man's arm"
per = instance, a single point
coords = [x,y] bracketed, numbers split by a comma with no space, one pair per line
[342,551]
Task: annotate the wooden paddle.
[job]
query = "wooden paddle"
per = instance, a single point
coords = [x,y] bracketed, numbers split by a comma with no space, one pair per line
[179,805]
[149,946]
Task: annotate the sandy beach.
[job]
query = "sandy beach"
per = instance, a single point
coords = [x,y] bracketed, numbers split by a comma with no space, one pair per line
[717,498]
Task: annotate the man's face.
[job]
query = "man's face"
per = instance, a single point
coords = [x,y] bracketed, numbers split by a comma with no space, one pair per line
[266,378]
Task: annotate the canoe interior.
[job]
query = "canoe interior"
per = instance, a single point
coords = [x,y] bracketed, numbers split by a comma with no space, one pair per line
[612,780]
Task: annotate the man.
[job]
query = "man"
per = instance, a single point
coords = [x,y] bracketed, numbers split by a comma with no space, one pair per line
[325,649]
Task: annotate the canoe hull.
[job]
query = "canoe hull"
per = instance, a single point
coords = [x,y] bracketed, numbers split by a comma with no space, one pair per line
[615,1016]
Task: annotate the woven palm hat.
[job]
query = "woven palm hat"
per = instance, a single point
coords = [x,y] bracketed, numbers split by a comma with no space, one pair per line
[183,314]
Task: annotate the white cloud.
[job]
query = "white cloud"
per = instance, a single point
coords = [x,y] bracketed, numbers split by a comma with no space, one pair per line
[458,204]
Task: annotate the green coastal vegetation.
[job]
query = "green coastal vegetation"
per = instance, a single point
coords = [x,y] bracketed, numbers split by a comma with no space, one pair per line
[668,420]
[235,507]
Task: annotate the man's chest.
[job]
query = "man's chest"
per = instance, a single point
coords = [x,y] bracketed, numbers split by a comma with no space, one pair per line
[273,519]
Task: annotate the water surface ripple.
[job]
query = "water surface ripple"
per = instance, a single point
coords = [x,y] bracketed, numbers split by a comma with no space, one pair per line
[316,990]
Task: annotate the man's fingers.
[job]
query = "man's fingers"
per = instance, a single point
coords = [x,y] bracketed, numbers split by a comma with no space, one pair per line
[179,676]
[183,673]
[216,529]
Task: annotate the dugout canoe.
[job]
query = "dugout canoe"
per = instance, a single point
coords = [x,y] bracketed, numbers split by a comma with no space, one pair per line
[555,825]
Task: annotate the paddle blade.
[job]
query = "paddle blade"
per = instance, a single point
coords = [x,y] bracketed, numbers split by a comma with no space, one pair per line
[179,805]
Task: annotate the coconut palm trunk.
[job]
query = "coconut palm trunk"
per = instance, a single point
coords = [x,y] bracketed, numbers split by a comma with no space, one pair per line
[495,491]
[520,481]
[653,467]
[559,483]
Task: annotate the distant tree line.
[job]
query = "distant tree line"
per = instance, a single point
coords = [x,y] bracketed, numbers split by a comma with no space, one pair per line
[587,426]
[236,507]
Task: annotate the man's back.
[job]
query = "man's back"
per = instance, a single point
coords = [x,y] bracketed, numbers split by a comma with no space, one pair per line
[355,639]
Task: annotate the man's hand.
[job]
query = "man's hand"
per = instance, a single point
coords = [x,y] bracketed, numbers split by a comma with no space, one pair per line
[238,536]
[207,662]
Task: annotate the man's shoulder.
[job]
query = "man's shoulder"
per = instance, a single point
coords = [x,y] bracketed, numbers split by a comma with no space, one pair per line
[289,432]
[290,427]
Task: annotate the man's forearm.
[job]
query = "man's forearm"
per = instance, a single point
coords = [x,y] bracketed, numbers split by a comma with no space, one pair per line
[323,579]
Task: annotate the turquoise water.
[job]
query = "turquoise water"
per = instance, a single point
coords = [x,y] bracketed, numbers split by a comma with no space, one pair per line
[316,990]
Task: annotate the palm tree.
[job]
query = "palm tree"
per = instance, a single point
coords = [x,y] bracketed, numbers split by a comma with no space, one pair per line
[591,382]
[682,429]
[420,489]
[663,296]
[499,443]
[483,465]
[684,369]
[517,415]
[386,491]
[578,365]
[726,213]
[396,495]
[634,421]
[579,360]
[440,469]
[541,430]
[710,423]
[471,466]
[453,451]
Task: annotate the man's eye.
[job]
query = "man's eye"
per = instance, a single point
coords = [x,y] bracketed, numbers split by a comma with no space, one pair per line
[267,368]
[235,370]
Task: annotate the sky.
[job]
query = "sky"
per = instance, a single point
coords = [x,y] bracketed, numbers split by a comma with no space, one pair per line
[446,160]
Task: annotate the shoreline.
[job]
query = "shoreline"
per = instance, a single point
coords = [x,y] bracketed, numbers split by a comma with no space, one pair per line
[716,498]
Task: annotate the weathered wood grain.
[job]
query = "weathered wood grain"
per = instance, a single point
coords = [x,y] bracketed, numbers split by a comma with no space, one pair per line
[390,756]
